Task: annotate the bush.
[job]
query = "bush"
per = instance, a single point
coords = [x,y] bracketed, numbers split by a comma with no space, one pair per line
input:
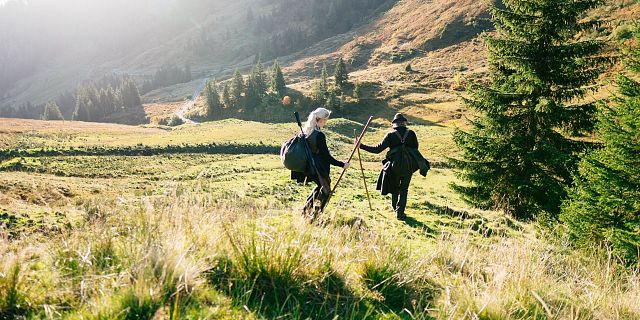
[175,121]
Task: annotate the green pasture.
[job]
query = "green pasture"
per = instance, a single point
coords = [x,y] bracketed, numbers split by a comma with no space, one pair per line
[180,235]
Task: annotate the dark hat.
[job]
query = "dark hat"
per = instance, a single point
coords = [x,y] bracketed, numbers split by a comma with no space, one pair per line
[399,118]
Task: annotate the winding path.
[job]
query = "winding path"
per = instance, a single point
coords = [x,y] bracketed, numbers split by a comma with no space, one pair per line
[187,105]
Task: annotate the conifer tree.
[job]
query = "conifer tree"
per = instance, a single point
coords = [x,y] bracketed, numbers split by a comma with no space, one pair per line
[82,110]
[357,91]
[252,93]
[237,88]
[341,75]
[320,92]
[214,107]
[226,96]
[52,112]
[604,205]
[278,84]
[517,157]
[259,78]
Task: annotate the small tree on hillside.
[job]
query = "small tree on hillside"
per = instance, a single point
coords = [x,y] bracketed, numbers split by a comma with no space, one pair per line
[252,96]
[214,107]
[341,75]
[237,88]
[52,112]
[278,84]
[516,157]
[320,92]
[259,79]
[226,96]
[357,91]
[604,206]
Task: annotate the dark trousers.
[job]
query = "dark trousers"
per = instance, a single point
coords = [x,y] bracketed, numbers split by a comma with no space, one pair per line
[399,199]
[316,201]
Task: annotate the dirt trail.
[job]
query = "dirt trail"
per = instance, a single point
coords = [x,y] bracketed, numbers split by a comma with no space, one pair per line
[187,105]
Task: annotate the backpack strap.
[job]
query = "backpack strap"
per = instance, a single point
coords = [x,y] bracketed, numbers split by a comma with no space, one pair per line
[402,139]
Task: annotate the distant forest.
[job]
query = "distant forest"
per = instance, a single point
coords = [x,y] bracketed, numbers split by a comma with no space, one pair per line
[112,98]
[292,25]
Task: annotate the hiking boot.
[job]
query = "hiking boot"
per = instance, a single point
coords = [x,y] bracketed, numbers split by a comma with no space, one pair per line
[401,217]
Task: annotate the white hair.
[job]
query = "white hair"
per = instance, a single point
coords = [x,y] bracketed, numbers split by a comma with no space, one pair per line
[312,121]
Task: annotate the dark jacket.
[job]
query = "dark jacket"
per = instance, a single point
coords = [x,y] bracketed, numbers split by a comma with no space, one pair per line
[386,180]
[322,157]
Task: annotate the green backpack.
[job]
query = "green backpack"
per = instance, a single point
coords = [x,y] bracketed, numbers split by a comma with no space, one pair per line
[402,162]
[293,154]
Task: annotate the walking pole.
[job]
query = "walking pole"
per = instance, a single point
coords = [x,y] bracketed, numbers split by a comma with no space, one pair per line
[366,126]
[364,179]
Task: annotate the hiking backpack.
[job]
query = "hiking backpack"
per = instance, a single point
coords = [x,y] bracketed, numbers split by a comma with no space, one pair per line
[293,154]
[403,162]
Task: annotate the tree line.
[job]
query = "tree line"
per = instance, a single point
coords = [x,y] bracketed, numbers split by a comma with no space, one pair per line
[166,76]
[527,152]
[308,21]
[262,91]
[111,98]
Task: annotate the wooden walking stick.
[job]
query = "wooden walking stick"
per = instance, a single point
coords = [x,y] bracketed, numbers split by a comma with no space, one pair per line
[366,126]
[364,179]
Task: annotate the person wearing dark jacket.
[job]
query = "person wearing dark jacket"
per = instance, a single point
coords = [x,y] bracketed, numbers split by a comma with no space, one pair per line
[317,140]
[392,181]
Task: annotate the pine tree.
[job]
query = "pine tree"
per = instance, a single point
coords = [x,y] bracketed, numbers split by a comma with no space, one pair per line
[320,92]
[52,112]
[237,88]
[214,107]
[252,93]
[604,205]
[82,110]
[357,91]
[516,157]
[278,84]
[341,75]
[130,94]
[226,96]
[259,79]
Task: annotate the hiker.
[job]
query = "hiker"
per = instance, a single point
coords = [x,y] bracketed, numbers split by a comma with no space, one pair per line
[323,160]
[395,178]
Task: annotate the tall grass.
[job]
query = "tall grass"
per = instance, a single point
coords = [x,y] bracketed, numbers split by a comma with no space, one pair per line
[188,255]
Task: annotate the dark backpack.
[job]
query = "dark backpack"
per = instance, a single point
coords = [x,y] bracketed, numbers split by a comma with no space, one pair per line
[293,154]
[402,162]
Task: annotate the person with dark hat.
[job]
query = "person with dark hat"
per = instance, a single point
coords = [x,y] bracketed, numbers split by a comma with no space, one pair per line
[401,161]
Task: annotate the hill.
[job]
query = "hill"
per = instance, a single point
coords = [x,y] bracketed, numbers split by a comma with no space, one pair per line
[215,232]
[438,37]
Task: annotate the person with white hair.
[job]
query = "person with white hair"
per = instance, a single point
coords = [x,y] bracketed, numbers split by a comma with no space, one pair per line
[323,159]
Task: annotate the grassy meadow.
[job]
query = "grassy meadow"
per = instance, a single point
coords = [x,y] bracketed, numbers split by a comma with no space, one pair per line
[217,234]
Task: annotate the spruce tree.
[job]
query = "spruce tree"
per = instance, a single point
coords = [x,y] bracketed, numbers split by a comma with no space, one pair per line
[517,156]
[259,79]
[320,92]
[214,107]
[278,84]
[252,93]
[52,112]
[226,96]
[357,91]
[237,88]
[82,111]
[341,75]
[604,205]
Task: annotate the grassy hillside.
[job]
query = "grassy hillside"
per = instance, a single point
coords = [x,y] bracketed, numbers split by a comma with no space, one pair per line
[207,235]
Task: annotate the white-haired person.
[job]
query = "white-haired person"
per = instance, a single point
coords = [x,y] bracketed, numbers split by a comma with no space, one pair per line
[323,159]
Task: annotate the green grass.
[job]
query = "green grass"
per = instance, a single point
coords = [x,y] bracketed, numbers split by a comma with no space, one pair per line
[189,236]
